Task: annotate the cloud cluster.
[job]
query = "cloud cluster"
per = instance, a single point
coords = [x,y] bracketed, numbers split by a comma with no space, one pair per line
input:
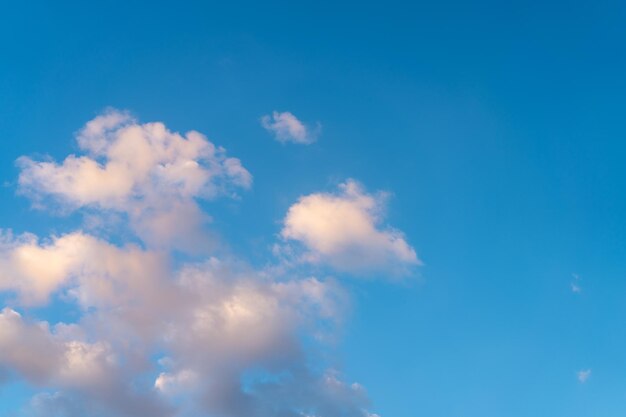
[344,230]
[213,322]
[287,128]
[157,334]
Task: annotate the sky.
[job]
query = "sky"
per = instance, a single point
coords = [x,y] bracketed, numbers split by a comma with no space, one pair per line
[312,209]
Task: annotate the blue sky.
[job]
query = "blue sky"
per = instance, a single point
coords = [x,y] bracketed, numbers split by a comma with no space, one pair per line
[496,130]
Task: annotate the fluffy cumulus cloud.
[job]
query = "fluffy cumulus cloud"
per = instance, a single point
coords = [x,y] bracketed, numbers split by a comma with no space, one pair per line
[345,230]
[144,171]
[287,128]
[163,334]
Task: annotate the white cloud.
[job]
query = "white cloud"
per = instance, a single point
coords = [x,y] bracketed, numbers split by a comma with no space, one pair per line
[142,170]
[32,269]
[583,375]
[345,230]
[287,128]
[97,272]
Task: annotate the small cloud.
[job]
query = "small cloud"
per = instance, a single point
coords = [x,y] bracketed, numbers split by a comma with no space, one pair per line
[583,375]
[345,230]
[287,128]
[575,284]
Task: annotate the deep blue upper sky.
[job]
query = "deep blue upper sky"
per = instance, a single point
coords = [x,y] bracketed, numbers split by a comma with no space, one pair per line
[498,127]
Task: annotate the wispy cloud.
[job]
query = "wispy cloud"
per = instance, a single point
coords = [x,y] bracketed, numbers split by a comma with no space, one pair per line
[287,128]
[583,375]
[575,284]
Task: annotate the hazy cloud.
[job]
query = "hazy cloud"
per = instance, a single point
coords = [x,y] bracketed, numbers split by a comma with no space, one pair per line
[583,375]
[287,128]
[575,284]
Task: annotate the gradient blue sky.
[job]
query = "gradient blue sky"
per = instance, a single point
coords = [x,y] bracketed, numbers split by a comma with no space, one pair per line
[497,127]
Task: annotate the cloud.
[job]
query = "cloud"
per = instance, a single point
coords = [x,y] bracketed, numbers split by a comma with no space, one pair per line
[28,348]
[176,383]
[55,357]
[145,171]
[345,230]
[52,405]
[162,334]
[583,375]
[98,273]
[575,284]
[35,270]
[287,128]
[220,322]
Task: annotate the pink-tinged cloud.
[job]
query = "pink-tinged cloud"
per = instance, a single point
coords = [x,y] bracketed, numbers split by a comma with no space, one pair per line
[345,230]
[156,334]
